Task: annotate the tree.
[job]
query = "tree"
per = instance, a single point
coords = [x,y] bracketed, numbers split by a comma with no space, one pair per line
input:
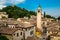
[3,38]
[44,14]
[3,17]
[49,16]
[58,18]
[17,12]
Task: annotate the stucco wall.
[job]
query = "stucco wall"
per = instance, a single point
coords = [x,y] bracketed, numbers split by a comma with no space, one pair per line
[27,33]
[19,37]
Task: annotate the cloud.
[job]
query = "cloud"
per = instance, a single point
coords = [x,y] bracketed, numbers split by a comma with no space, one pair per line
[2,2]
[2,6]
[14,2]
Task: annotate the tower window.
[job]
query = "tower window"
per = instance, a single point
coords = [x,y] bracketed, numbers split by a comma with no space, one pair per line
[38,10]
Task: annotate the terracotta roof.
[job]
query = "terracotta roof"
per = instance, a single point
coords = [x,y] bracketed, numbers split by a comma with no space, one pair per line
[24,24]
[12,22]
[33,38]
[30,38]
[22,19]
[4,30]
[55,35]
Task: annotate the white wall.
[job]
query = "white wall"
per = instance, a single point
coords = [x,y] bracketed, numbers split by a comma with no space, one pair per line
[15,37]
[27,33]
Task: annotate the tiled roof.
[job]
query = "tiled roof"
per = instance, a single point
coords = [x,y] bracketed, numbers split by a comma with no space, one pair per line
[4,30]
[55,35]
[24,25]
[33,38]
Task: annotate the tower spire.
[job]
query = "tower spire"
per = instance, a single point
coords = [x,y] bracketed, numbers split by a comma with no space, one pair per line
[39,8]
[39,5]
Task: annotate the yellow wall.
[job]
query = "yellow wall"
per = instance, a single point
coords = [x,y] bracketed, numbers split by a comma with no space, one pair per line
[49,33]
[55,38]
[38,34]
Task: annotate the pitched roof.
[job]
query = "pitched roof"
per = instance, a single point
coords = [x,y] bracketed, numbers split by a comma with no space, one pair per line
[33,38]
[55,35]
[4,30]
[24,25]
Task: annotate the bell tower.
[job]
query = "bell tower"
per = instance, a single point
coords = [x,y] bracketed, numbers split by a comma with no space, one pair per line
[39,12]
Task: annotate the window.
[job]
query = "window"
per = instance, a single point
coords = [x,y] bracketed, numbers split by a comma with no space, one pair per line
[59,28]
[38,11]
[21,39]
[21,33]
[31,32]
[22,28]
[29,28]
[48,31]
[14,34]
[17,34]
[47,23]
[26,29]
[43,22]
[43,38]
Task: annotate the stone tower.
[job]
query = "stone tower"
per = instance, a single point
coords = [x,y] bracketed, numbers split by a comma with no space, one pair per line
[39,12]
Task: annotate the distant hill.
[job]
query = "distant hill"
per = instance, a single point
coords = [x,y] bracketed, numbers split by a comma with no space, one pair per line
[17,12]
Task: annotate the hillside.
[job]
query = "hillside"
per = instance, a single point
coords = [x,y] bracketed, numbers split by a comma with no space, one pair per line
[17,12]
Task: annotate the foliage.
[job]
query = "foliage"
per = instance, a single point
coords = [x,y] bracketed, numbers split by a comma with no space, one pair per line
[3,38]
[58,18]
[17,12]
[49,16]
[44,14]
[3,17]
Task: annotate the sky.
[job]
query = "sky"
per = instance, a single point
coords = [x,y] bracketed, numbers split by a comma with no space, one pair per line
[51,7]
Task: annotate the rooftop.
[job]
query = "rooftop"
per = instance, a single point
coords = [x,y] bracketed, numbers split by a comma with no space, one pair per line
[4,30]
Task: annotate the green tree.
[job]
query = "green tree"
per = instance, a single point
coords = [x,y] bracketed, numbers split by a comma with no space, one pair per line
[58,18]
[3,17]
[3,38]
[44,14]
[49,16]
[17,12]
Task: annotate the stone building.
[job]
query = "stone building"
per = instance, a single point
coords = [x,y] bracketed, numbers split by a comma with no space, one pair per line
[3,15]
[18,32]
[28,28]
